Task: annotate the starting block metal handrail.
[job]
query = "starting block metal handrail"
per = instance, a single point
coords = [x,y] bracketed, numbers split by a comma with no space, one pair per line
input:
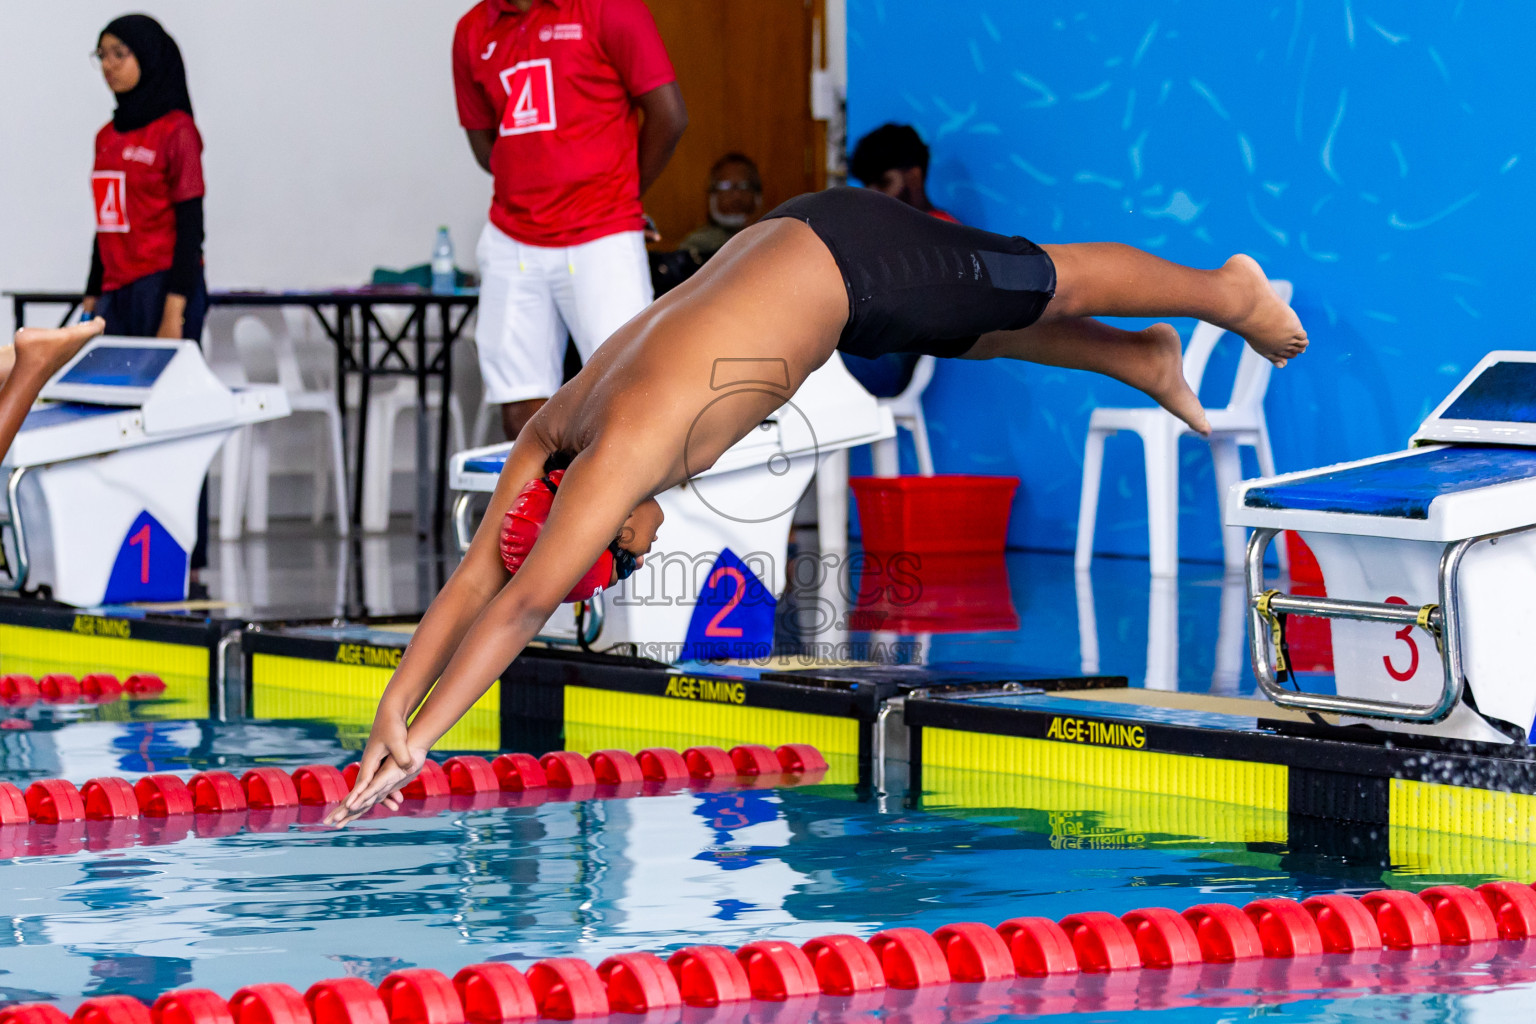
[1442,622]
[23,566]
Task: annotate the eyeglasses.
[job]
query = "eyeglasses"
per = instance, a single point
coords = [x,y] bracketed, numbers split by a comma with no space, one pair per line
[735,186]
[117,55]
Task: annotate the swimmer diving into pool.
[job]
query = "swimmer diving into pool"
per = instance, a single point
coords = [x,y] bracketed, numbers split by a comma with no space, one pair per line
[845,269]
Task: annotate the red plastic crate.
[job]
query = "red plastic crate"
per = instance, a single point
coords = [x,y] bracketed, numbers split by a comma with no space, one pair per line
[950,514]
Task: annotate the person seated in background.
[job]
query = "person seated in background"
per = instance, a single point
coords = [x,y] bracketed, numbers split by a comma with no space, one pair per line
[894,159]
[735,202]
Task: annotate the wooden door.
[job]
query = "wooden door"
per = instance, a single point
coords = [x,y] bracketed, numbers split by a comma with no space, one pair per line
[744,67]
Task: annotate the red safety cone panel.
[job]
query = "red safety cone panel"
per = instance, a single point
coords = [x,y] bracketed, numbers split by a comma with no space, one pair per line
[1286,928]
[844,965]
[269,787]
[161,796]
[51,801]
[320,784]
[345,1001]
[753,759]
[566,769]
[429,784]
[1344,923]
[191,1006]
[800,759]
[273,1003]
[709,976]
[109,798]
[1405,920]
[1225,933]
[1513,906]
[519,772]
[1164,939]
[469,774]
[975,952]
[565,988]
[910,958]
[494,994]
[778,971]
[706,763]
[1461,914]
[662,764]
[111,1010]
[615,767]
[1040,947]
[13,805]
[216,793]
[421,996]
[638,983]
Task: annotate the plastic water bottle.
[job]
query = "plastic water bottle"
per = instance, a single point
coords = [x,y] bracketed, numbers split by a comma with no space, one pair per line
[444,277]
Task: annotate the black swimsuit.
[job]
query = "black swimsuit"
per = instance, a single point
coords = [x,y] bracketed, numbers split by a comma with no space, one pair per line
[920,284]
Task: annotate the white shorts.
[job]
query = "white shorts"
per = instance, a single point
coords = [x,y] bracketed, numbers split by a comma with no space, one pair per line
[530,296]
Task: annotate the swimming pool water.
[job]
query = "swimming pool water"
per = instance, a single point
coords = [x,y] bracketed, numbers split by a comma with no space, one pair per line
[598,877]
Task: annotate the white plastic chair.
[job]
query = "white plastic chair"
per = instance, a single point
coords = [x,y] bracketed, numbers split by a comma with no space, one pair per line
[386,404]
[1241,423]
[907,410]
[267,352]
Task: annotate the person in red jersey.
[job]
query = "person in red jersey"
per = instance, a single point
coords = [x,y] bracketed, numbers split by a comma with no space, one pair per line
[573,107]
[146,275]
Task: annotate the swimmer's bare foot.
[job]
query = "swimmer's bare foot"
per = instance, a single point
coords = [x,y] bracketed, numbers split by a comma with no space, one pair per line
[43,351]
[1261,317]
[1162,377]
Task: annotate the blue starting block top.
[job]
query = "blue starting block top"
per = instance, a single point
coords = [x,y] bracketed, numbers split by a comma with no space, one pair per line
[491,464]
[1400,488]
[56,414]
[119,367]
[1504,392]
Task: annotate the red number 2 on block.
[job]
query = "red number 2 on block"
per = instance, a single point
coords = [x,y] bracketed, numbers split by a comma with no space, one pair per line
[733,574]
[142,537]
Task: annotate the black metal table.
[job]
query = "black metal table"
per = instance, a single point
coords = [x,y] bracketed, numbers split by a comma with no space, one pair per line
[366,348]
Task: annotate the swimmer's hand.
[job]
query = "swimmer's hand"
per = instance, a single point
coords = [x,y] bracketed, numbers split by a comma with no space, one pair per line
[389,762]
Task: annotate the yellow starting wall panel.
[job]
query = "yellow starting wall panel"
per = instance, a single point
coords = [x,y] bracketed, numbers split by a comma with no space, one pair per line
[1462,811]
[348,695]
[1249,784]
[597,719]
[99,644]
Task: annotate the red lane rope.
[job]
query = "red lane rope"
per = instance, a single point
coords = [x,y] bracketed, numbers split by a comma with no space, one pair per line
[53,816]
[1152,938]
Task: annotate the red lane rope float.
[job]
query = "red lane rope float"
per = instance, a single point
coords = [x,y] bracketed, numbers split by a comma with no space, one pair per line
[421,996]
[566,769]
[343,1001]
[844,965]
[1513,906]
[709,976]
[910,958]
[161,796]
[1225,933]
[518,773]
[320,784]
[1404,919]
[708,763]
[1461,915]
[111,1010]
[430,783]
[469,774]
[1286,929]
[273,1003]
[565,988]
[192,1006]
[753,759]
[216,793]
[638,983]
[144,684]
[51,801]
[1040,947]
[1163,937]
[108,798]
[615,767]
[269,788]
[494,993]
[1345,924]
[33,1013]
[662,764]
[13,806]
[974,952]
[18,689]
[59,688]
[800,759]
[101,687]
[778,971]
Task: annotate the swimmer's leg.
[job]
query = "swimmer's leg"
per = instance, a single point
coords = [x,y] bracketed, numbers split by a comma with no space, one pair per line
[39,353]
[1109,279]
[1150,360]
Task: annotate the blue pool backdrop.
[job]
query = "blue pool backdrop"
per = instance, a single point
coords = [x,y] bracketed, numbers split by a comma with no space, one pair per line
[1378,154]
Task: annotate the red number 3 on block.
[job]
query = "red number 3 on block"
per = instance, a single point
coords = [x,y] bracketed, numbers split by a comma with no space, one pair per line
[1406,636]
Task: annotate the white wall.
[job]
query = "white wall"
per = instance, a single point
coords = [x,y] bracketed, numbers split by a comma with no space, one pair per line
[331,141]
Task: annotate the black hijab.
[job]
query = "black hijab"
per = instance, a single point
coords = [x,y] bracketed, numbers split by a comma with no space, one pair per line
[162,84]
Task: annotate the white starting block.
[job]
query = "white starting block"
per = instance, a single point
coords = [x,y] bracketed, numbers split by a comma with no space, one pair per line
[1429,564]
[104,476]
[709,588]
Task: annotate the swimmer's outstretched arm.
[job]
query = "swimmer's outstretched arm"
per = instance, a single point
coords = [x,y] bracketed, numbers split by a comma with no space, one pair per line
[38,354]
[596,496]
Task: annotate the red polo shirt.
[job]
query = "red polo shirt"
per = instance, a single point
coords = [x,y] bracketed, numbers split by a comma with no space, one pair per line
[557,85]
[138,179]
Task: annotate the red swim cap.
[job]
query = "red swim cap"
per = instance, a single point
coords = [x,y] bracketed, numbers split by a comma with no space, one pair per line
[522,523]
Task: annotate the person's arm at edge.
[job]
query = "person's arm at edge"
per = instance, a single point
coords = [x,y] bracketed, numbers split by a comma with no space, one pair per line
[567,546]
[481,142]
[468,591]
[666,118]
